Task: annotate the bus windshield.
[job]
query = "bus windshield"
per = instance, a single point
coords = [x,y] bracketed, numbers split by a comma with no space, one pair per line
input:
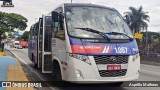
[101,19]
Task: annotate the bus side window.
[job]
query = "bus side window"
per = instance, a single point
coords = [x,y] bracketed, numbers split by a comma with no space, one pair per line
[31,32]
[59,32]
[36,31]
[55,28]
[59,27]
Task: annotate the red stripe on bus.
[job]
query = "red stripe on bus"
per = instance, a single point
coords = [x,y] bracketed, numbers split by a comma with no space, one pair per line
[87,49]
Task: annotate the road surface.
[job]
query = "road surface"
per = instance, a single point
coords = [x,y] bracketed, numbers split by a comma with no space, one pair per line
[147,73]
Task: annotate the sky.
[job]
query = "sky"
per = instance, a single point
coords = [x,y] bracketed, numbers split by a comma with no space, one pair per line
[33,9]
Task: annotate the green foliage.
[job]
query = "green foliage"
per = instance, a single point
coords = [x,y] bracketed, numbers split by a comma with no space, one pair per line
[152,36]
[11,21]
[18,39]
[137,19]
[153,42]
[25,36]
[1,49]
[3,36]
[10,35]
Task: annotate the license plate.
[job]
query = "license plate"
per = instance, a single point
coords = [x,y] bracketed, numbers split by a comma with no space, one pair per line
[113,67]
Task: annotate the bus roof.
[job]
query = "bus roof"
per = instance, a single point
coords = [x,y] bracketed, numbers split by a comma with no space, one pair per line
[83,5]
[87,4]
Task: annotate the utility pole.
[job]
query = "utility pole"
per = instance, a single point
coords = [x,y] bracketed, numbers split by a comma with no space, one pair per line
[71,1]
[147,45]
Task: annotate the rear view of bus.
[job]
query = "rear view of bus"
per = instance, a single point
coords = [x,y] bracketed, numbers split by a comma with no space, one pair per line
[101,47]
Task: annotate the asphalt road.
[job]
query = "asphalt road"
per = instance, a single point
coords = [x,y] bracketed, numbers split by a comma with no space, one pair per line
[147,73]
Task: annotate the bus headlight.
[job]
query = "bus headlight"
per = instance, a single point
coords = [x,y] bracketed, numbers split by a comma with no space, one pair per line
[80,57]
[135,57]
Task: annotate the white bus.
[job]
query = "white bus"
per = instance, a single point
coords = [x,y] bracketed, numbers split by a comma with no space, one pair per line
[84,42]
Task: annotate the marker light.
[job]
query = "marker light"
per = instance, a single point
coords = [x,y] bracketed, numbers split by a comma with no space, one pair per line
[78,73]
[135,57]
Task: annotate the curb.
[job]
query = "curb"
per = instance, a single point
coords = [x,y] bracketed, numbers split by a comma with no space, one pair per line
[15,71]
[19,65]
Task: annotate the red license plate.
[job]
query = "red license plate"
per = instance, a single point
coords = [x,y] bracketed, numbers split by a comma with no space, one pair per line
[113,67]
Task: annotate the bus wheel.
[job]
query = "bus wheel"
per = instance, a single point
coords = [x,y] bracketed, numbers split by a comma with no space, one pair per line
[33,62]
[56,72]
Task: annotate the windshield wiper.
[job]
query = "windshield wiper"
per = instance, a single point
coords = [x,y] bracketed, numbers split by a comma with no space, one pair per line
[118,33]
[95,31]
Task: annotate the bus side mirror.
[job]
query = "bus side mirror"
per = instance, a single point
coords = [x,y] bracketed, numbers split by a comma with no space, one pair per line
[57,16]
[127,19]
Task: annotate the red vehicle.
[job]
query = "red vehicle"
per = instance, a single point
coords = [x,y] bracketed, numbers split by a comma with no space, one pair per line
[24,44]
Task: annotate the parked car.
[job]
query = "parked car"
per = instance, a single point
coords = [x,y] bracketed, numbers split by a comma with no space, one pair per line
[19,47]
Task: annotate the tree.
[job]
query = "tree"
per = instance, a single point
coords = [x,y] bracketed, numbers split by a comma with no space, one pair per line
[9,22]
[3,36]
[137,19]
[10,35]
[25,36]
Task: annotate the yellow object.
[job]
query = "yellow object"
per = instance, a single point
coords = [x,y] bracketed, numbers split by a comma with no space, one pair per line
[1,53]
[138,35]
[16,73]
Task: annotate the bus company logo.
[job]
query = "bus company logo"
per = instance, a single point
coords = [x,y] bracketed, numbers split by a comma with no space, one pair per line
[113,58]
[107,49]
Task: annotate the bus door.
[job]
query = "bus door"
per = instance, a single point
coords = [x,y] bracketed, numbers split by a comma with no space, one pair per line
[46,45]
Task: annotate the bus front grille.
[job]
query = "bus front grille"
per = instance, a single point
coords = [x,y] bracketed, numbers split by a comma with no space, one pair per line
[110,59]
[114,73]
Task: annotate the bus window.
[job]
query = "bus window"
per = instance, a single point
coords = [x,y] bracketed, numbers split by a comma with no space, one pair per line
[41,26]
[59,31]
[32,31]
[47,36]
[59,27]
[40,33]
[60,34]
[36,29]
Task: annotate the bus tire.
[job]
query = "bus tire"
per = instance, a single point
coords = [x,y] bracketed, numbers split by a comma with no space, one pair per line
[56,72]
[33,62]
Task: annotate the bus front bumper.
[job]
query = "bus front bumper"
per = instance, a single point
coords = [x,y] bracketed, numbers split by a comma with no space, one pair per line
[109,80]
[81,72]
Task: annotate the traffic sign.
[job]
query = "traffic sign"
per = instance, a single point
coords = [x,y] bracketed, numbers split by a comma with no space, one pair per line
[138,36]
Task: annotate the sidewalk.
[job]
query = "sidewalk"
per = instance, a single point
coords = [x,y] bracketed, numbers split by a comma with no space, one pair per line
[11,70]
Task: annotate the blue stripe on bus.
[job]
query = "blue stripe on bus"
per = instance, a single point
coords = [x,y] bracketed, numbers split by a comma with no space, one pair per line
[130,48]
